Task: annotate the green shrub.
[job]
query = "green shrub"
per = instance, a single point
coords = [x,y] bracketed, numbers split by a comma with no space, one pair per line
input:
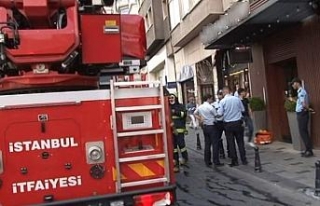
[290,105]
[257,104]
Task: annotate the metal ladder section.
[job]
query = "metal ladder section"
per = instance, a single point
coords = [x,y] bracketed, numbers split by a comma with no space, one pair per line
[115,88]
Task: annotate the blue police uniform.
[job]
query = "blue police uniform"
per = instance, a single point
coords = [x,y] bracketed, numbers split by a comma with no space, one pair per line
[231,109]
[303,118]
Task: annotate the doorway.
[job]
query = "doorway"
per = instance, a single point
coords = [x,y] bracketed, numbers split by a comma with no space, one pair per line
[187,90]
[279,76]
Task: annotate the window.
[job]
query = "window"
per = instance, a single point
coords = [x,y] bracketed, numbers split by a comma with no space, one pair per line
[146,22]
[174,11]
[187,5]
[192,3]
[121,2]
[124,10]
[150,17]
[164,9]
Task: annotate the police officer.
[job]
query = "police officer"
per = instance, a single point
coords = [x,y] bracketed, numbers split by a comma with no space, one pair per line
[219,124]
[178,116]
[302,110]
[206,114]
[231,109]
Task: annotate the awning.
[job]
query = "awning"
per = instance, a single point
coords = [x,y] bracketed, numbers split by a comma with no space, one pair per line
[271,16]
[186,73]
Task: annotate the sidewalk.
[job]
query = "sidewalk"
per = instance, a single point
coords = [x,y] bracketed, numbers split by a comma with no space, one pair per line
[280,163]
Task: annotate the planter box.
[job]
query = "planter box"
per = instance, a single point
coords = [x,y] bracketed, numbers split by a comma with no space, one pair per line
[259,121]
[294,130]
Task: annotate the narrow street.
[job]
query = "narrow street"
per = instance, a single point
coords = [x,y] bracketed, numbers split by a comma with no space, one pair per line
[225,186]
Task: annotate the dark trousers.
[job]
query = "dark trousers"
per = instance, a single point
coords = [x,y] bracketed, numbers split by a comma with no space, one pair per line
[220,129]
[179,144]
[249,124]
[211,140]
[303,121]
[234,131]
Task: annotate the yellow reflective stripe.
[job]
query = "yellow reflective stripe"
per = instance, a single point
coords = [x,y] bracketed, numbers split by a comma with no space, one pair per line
[161,163]
[114,175]
[183,149]
[180,130]
[182,114]
[175,150]
[141,170]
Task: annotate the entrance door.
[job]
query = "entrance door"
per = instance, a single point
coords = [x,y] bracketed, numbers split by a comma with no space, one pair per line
[187,90]
[206,89]
[279,76]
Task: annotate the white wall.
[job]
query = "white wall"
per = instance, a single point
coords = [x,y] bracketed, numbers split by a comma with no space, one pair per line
[189,55]
[160,66]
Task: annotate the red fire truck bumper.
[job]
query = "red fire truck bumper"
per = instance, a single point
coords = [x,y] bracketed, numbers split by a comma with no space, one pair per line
[148,197]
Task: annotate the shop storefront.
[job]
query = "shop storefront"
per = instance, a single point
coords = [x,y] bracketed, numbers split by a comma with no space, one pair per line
[239,77]
[205,78]
[187,83]
[284,45]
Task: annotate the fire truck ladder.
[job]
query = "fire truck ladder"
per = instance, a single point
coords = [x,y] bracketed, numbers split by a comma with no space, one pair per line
[126,90]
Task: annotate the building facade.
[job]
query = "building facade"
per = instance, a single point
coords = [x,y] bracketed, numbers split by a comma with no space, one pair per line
[176,56]
[283,38]
[160,64]
[195,66]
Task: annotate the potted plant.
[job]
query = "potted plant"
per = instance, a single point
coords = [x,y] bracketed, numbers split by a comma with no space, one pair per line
[259,117]
[257,104]
[290,107]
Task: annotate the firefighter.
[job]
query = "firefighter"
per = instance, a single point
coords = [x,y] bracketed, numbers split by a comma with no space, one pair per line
[178,116]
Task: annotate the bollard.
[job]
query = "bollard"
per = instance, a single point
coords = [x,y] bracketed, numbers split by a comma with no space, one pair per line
[317,182]
[257,162]
[198,141]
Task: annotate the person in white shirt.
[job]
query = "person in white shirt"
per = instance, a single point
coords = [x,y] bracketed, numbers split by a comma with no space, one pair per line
[236,94]
[206,114]
[191,107]
[219,124]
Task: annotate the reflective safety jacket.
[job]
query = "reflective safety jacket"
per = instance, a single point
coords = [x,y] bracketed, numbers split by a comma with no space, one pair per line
[178,116]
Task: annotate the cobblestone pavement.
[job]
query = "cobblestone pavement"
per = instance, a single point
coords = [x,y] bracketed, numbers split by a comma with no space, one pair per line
[200,186]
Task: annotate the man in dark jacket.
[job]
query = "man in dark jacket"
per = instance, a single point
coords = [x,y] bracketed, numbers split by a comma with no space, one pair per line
[178,116]
[247,114]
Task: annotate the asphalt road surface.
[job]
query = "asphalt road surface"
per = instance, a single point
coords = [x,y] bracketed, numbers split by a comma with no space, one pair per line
[224,186]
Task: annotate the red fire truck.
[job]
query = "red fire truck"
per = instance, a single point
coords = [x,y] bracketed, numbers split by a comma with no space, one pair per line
[74,129]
